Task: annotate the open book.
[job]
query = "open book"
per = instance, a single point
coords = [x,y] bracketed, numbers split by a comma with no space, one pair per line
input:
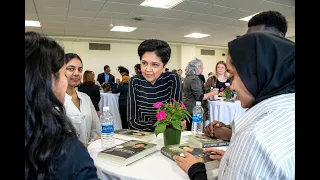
[128,152]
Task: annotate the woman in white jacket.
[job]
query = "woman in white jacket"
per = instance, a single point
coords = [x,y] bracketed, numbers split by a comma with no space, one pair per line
[78,105]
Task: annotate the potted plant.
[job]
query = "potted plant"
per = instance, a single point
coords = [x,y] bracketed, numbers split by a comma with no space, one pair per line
[105,86]
[169,116]
[228,92]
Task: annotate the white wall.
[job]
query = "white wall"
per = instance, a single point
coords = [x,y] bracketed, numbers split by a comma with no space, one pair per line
[125,54]
[209,62]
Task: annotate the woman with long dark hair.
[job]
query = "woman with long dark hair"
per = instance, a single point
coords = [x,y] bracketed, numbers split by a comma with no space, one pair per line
[79,106]
[52,150]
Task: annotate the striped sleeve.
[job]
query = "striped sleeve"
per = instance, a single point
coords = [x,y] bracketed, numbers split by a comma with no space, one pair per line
[176,88]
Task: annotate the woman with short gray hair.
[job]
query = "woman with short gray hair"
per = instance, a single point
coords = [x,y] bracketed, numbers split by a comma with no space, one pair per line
[192,89]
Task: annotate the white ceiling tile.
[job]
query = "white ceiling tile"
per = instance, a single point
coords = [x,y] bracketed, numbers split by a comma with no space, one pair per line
[53,30]
[106,22]
[74,33]
[28,3]
[206,1]
[52,18]
[53,11]
[191,6]
[80,20]
[237,14]
[82,13]
[215,17]
[95,33]
[30,9]
[144,18]
[135,2]
[36,29]
[217,20]
[176,14]
[87,4]
[100,27]
[148,11]
[52,3]
[107,15]
[284,2]
[216,10]
[118,7]
[243,4]
[29,16]
[51,24]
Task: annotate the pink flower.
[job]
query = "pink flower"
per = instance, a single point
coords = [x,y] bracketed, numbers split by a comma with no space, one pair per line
[221,89]
[228,87]
[157,105]
[173,100]
[161,115]
[183,106]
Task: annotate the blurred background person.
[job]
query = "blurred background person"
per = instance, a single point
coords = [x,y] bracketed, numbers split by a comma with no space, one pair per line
[105,76]
[192,90]
[137,69]
[220,79]
[122,88]
[89,87]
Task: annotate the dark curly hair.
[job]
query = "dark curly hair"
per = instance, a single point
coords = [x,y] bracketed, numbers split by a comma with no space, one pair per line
[46,123]
[161,48]
[273,20]
[122,69]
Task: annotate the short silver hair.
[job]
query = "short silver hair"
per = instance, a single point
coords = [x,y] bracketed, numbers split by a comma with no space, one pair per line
[193,66]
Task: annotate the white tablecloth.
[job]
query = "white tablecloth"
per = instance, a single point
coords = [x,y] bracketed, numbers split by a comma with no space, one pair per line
[111,100]
[225,111]
[153,167]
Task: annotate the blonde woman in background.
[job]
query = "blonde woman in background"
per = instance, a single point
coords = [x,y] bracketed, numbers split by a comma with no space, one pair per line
[219,79]
[122,88]
[91,89]
[78,105]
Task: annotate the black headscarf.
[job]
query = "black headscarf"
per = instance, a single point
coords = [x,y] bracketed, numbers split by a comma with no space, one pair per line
[265,63]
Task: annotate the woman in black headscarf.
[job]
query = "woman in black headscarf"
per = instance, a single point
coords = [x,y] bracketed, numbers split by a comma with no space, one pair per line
[262,145]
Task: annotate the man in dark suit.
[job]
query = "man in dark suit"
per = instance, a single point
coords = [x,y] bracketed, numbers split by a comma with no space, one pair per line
[105,76]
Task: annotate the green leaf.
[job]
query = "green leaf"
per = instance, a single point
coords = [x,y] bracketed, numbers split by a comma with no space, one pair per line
[160,129]
[177,116]
[177,125]
[158,122]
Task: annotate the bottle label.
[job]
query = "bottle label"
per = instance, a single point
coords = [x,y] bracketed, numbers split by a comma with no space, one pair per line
[107,129]
[196,118]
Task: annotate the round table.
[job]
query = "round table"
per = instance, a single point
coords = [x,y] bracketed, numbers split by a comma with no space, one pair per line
[153,167]
[225,111]
[111,100]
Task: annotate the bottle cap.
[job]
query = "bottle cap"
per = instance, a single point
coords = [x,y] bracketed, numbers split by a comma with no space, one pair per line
[106,108]
[198,103]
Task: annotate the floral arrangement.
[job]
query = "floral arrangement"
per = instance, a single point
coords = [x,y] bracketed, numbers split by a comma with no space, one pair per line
[227,92]
[170,115]
[106,87]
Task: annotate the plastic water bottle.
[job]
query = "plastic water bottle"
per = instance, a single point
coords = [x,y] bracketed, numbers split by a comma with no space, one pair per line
[107,128]
[197,122]
[234,95]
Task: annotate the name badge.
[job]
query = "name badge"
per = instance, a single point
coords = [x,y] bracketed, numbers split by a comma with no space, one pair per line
[75,118]
[227,84]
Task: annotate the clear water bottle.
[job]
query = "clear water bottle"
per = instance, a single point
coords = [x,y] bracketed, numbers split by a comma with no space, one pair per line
[234,95]
[107,128]
[197,122]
